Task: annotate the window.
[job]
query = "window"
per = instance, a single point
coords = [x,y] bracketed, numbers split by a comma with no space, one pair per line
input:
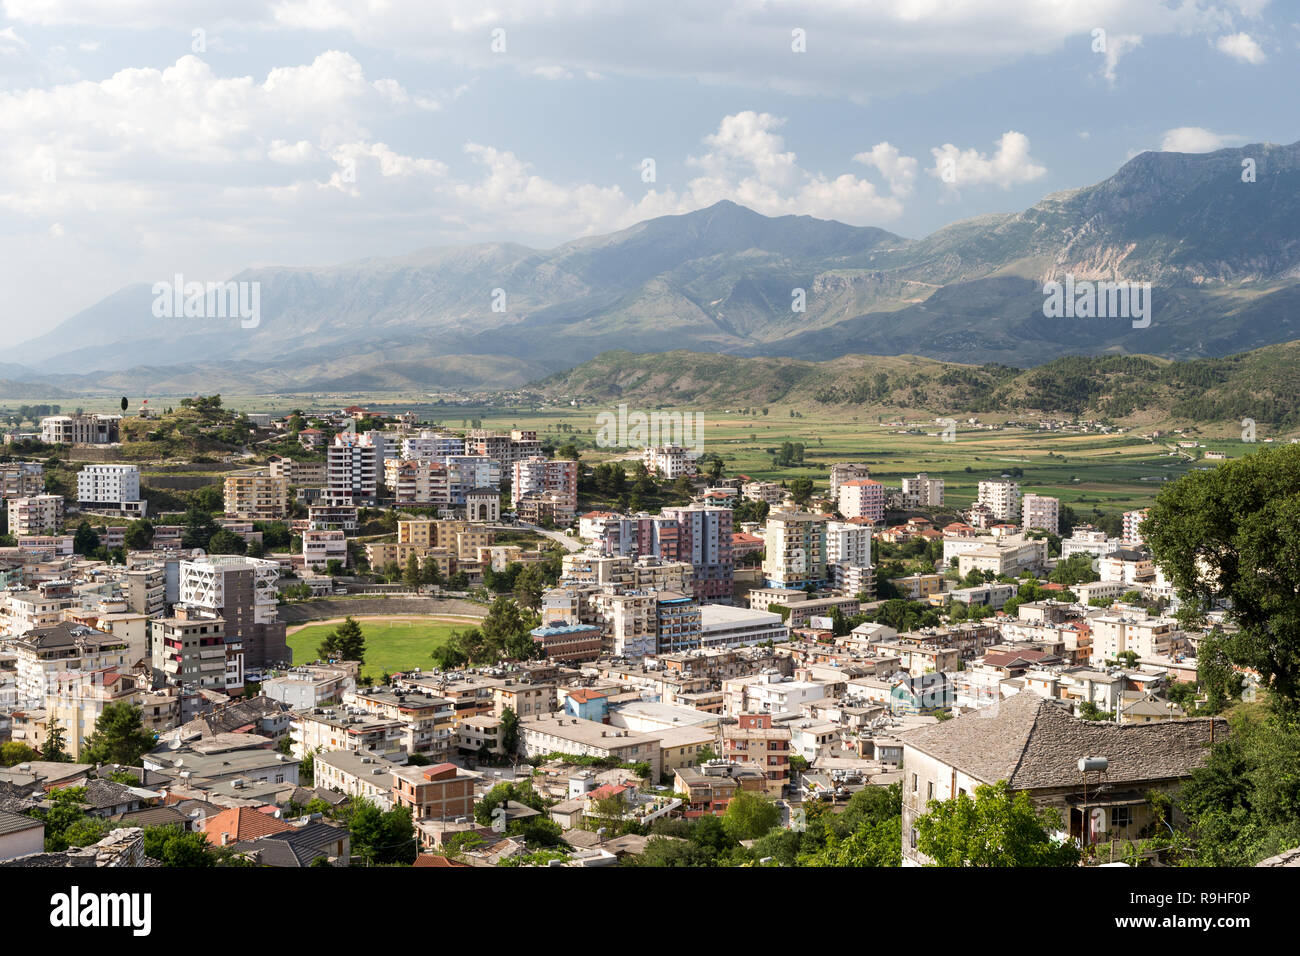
[929,790]
[914,783]
[913,838]
[1121,817]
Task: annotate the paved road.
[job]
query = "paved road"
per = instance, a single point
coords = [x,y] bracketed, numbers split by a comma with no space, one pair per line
[571,544]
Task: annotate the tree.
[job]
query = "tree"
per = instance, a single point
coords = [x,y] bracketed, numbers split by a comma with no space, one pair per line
[996,828]
[226,542]
[66,809]
[529,585]
[54,748]
[119,737]
[509,730]
[382,837]
[125,403]
[345,643]
[506,791]
[85,542]
[801,490]
[198,529]
[1228,536]
[413,577]
[139,535]
[170,845]
[13,752]
[750,815]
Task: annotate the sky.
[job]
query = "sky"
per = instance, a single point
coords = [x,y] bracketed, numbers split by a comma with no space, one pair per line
[144,138]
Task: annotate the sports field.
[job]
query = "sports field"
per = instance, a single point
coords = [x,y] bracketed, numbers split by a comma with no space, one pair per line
[392,644]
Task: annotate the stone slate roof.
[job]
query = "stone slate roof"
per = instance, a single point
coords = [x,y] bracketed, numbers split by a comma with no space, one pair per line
[15,823]
[1033,742]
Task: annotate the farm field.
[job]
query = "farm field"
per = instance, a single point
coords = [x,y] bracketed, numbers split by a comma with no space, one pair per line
[392,643]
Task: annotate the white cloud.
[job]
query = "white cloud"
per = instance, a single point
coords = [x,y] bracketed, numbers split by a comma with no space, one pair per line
[1116,47]
[899,171]
[862,50]
[1010,164]
[1241,46]
[1195,139]
[552,73]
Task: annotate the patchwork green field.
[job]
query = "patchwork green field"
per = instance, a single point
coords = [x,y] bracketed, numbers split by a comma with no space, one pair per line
[392,644]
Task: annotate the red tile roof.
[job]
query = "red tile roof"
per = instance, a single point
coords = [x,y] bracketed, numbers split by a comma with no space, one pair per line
[241,823]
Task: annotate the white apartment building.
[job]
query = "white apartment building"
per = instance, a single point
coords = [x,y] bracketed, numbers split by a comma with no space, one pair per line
[537,475]
[669,461]
[768,491]
[922,492]
[79,429]
[1131,536]
[1127,566]
[417,481]
[111,487]
[862,498]
[1040,511]
[467,473]
[432,445]
[1148,637]
[353,468]
[1089,542]
[1002,498]
[321,547]
[1007,555]
[848,557]
[35,514]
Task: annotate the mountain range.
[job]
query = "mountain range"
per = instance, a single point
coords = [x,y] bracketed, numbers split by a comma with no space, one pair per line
[1222,255]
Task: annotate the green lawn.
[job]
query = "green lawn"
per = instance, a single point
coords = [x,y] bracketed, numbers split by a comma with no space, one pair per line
[390,645]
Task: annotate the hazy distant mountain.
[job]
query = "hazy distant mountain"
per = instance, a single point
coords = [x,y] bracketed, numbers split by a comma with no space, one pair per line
[1223,257]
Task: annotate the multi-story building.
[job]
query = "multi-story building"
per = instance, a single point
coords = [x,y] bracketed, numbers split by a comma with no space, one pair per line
[110,486]
[332,516]
[753,742]
[669,461]
[862,498]
[846,471]
[35,514]
[562,733]
[189,653]
[677,623]
[540,475]
[79,429]
[353,468]
[79,698]
[767,491]
[848,556]
[21,479]
[441,792]
[1002,498]
[299,474]
[1040,511]
[1148,637]
[146,590]
[631,622]
[1007,555]
[319,548]
[417,481]
[41,606]
[1131,536]
[795,550]
[428,721]
[922,492]
[44,655]
[469,473]
[703,539]
[519,445]
[432,445]
[568,643]
[260,496]
[241,591]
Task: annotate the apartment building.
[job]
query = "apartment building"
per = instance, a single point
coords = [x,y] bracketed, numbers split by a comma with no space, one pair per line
[1002,498]
[669,461]
[1131,536]
[568,643]
[41,606]
[795,550]
[470,473]
[561,733]
[189,653]
[1009,555]
[703,538]
[1148,637]
[299,474]
[145,590]
[79,698]
[1040,511]
[540,475]
[21,479]
[428,721]
[677,623]
[431,445]
[44,655]
[862,498]
[922,492]
[242,592]
[846,471]
[319,548]
[767,491]
[753,742]
[353,468]
[35,514]
[417,481]
[260,496]
[352,729]
[848,547]
[631,622]
[110,487]
[332,516]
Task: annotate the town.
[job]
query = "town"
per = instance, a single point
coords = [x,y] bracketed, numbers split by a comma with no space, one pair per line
[373,641]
